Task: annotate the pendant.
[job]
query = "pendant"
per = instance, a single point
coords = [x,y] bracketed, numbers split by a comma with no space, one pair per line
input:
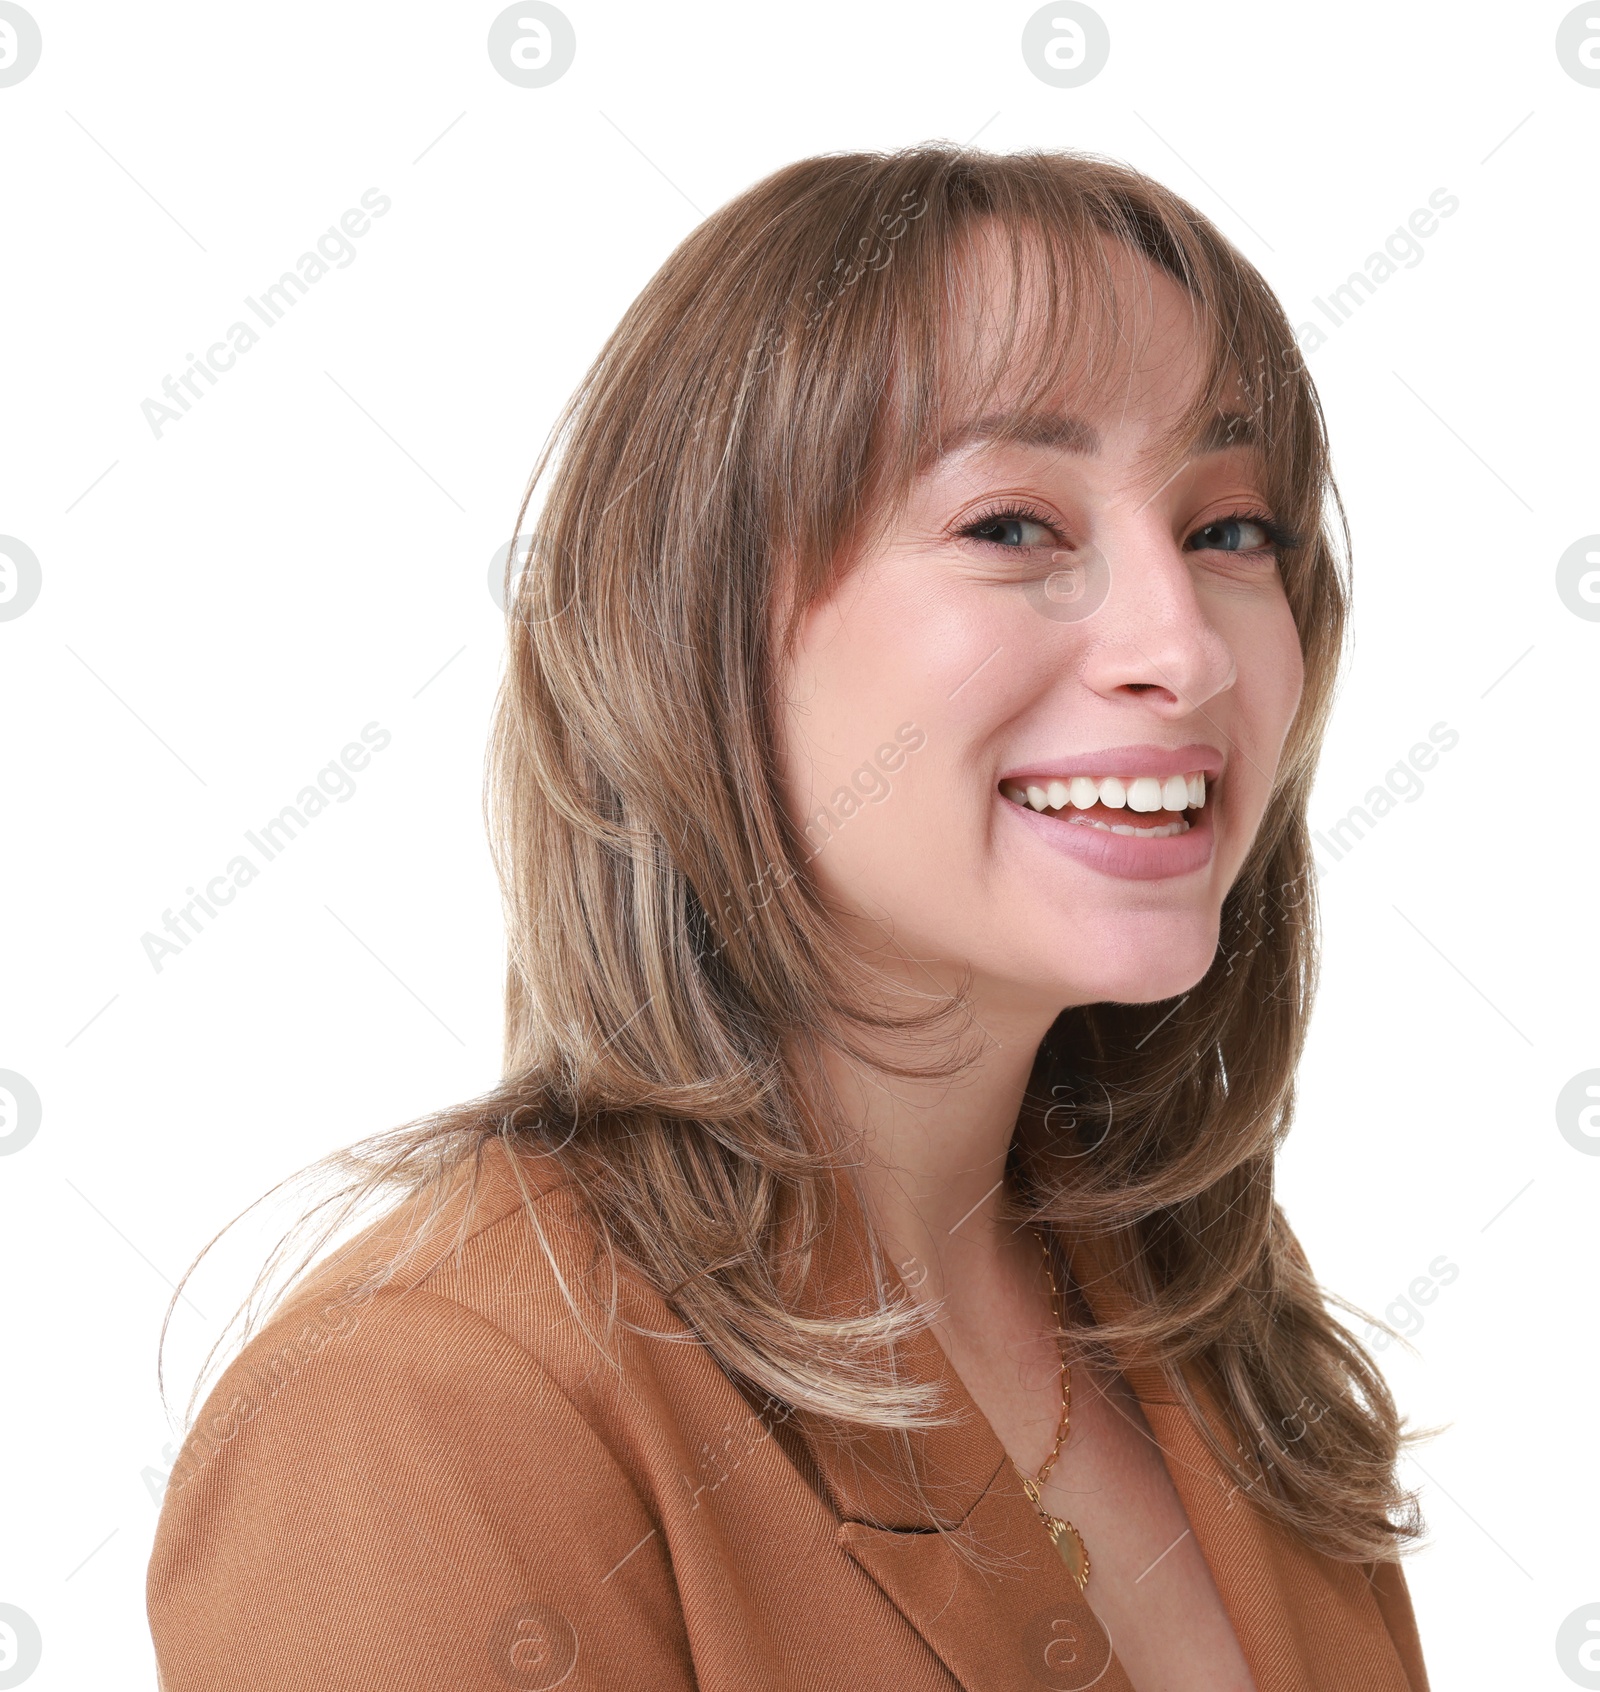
[1071,1547]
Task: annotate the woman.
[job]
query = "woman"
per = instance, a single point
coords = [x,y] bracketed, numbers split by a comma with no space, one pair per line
[868,1271]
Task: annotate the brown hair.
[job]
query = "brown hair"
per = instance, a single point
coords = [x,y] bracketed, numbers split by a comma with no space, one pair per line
[672,972]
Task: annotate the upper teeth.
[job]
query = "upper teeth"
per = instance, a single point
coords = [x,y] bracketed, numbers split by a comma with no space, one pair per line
[1141,793]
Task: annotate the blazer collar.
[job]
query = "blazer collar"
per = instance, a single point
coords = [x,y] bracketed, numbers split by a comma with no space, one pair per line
[938,1518]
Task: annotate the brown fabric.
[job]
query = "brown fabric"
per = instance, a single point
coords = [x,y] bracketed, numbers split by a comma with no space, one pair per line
[446,1486]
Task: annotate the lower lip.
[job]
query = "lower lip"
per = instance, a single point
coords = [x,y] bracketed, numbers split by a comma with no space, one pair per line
[1124,855]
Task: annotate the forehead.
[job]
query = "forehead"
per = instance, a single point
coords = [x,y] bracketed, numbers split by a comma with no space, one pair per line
[1053,346]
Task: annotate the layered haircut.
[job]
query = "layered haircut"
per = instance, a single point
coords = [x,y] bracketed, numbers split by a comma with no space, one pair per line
[673,974]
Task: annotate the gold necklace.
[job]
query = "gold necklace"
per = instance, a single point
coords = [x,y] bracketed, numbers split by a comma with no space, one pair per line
[1063,1534]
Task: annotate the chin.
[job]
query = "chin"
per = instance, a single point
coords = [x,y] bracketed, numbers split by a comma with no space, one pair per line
[1142,967]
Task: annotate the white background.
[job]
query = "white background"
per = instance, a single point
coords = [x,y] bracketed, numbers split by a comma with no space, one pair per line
[224,608]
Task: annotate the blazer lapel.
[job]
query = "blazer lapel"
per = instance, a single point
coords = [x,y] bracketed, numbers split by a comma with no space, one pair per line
[1017,1620]
[939,1521]
[1303,1620]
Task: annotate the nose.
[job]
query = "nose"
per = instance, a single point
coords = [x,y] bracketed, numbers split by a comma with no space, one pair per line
[1152,638]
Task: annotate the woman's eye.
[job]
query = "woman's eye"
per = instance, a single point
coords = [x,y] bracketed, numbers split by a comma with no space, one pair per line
[1233,534]
[1010,531]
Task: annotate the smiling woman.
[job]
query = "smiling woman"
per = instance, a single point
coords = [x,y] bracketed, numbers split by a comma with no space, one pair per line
[713,1346]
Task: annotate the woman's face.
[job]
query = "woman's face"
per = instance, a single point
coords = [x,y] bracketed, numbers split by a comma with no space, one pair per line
[1050,622]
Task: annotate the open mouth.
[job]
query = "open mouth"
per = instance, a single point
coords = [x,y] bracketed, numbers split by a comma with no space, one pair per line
[1144,807]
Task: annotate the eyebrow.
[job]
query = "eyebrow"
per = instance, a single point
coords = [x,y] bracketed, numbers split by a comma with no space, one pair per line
[1061,433]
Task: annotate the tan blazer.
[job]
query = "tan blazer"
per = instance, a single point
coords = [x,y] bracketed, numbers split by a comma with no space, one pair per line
[445,1487]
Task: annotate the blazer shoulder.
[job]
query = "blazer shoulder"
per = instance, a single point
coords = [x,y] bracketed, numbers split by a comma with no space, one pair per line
[403,1480]
[527,1259]
[387,1497]
[502,1236]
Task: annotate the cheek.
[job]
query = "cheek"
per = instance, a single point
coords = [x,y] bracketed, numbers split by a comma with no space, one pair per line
[1266,693]
[879,738]
[885,648]
[1288,668]
[1271,673]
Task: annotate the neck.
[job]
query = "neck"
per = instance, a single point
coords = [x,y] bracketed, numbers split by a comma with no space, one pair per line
[933,1166]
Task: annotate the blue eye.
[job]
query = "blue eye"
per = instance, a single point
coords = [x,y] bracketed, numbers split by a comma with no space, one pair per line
[1018,529]
[1231,534]
[1015,530]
